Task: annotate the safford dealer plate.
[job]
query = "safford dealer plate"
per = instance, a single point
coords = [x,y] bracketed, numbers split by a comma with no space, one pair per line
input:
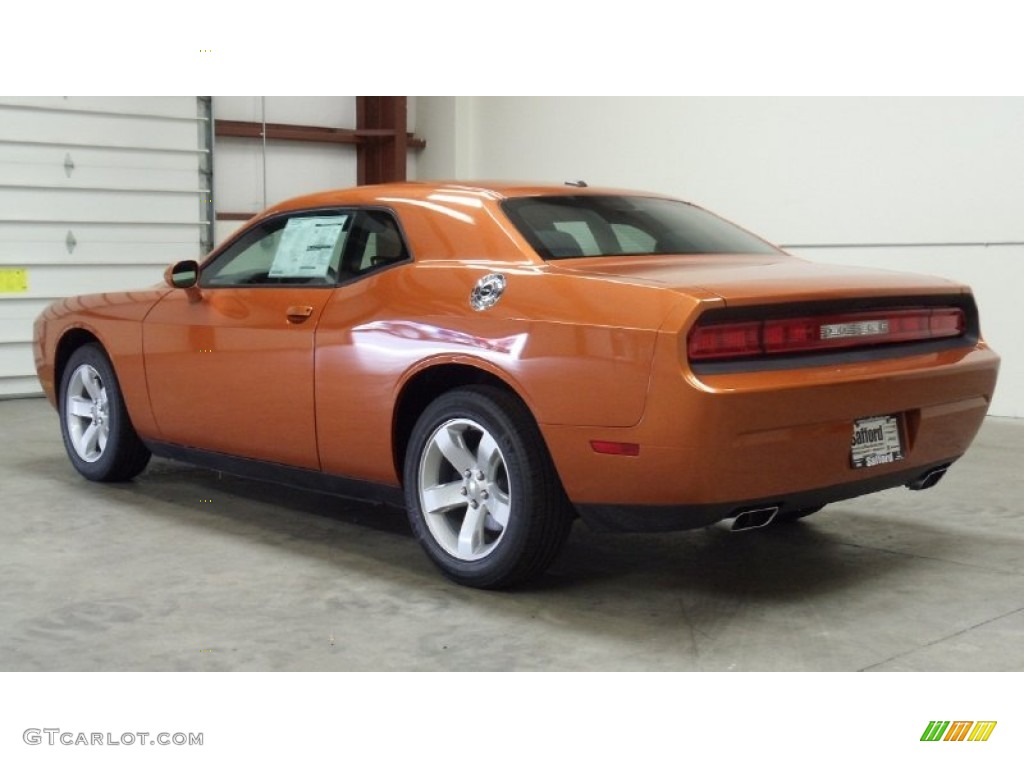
[876,441]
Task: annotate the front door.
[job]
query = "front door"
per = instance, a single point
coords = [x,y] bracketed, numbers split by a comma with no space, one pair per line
[230,365]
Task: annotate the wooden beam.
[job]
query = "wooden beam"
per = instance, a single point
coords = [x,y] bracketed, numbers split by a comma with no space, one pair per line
[241,129]
[399,119]
[246,130]
[381,121]
[361,157]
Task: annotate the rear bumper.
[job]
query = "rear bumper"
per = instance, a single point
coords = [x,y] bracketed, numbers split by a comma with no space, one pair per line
[713,445]
[638,518]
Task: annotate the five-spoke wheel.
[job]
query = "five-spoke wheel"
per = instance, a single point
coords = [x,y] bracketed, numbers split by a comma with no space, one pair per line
[87,410]
[98,434]
[464,489]
[483,496]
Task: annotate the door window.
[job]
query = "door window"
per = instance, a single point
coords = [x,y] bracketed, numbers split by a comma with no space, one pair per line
[295,250]
[322,248]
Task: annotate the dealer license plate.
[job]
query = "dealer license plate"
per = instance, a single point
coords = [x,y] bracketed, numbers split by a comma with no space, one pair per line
[876,441]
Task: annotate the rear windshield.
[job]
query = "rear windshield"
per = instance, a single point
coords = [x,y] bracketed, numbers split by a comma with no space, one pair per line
[573,226]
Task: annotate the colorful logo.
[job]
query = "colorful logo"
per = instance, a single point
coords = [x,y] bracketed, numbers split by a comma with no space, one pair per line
[958,730]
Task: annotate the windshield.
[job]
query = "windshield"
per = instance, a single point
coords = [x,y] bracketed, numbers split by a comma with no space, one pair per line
[573,226]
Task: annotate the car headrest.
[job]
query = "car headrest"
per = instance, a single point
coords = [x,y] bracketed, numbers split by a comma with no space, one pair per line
[561,245]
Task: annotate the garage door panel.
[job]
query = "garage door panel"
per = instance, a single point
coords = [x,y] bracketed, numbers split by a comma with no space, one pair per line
[42,126]
[70,205]
[97,194]
[177,107]
[19,386]
[92,252]
[16,359]
[77,167]
[183,234]
[52,281]
[16,318]
[26,245]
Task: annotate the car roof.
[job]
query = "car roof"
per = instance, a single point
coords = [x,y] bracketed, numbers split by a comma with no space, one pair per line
[425,190]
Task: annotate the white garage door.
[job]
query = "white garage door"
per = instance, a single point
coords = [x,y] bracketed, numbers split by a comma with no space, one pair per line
[96,194]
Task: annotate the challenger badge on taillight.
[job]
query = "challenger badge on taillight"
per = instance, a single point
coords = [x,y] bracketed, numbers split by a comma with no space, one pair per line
[754,338]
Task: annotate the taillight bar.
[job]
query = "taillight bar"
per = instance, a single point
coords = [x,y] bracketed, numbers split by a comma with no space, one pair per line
[755,338]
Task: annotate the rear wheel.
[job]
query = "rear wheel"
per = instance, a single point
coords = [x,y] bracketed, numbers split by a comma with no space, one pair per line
[483,496]
[98,435]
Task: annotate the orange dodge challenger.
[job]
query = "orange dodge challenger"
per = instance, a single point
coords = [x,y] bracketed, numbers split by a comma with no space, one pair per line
[502,358]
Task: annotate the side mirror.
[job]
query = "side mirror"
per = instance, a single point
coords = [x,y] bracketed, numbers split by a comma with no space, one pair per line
[184,274]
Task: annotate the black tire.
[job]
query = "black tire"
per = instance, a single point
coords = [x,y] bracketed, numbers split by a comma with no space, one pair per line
[792,515]
[121,455]
[520,516]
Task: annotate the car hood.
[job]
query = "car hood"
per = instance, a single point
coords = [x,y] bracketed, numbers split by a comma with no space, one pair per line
[746,279]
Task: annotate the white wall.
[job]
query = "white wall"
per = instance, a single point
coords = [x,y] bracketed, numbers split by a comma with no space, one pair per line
[292,168]
[449,121]
[244,183]
[918,184]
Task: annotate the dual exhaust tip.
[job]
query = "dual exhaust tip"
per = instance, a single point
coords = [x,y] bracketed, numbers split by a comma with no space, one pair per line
[751,519]
[928,479]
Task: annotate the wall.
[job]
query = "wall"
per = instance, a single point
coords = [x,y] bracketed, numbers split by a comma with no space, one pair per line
[450,122]
[244,183]
[916,184]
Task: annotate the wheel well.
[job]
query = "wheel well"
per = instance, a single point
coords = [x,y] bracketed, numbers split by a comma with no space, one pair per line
[423,389]
[66,347]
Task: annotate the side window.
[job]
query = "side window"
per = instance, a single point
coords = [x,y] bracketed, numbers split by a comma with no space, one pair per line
[303,249]
[376,242]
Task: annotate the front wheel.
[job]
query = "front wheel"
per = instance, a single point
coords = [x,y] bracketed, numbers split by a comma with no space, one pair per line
[483,496]
[97,432]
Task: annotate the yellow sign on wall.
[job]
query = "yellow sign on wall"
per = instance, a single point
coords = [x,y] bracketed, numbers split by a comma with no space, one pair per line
[13,280]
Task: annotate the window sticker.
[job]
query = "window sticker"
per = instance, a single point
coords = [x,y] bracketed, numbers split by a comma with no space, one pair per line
[307,246]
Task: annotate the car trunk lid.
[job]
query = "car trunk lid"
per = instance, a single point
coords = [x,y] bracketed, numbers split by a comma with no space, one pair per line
[756,279]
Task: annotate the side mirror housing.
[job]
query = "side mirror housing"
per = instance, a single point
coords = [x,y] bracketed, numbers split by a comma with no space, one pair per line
[184,274]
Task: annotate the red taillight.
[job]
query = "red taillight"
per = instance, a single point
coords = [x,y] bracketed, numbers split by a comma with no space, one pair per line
[947,322]
[725,340]
[718,341]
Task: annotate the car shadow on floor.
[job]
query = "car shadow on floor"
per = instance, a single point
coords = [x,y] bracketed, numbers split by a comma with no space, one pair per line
[784,562]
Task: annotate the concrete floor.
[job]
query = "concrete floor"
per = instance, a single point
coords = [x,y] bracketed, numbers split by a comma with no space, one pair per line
[185,570]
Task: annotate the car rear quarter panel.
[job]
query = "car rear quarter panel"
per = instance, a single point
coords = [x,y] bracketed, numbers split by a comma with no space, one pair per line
[577,350]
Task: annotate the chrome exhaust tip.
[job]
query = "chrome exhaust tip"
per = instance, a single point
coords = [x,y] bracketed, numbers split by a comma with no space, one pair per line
[750,519]
[928,479]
